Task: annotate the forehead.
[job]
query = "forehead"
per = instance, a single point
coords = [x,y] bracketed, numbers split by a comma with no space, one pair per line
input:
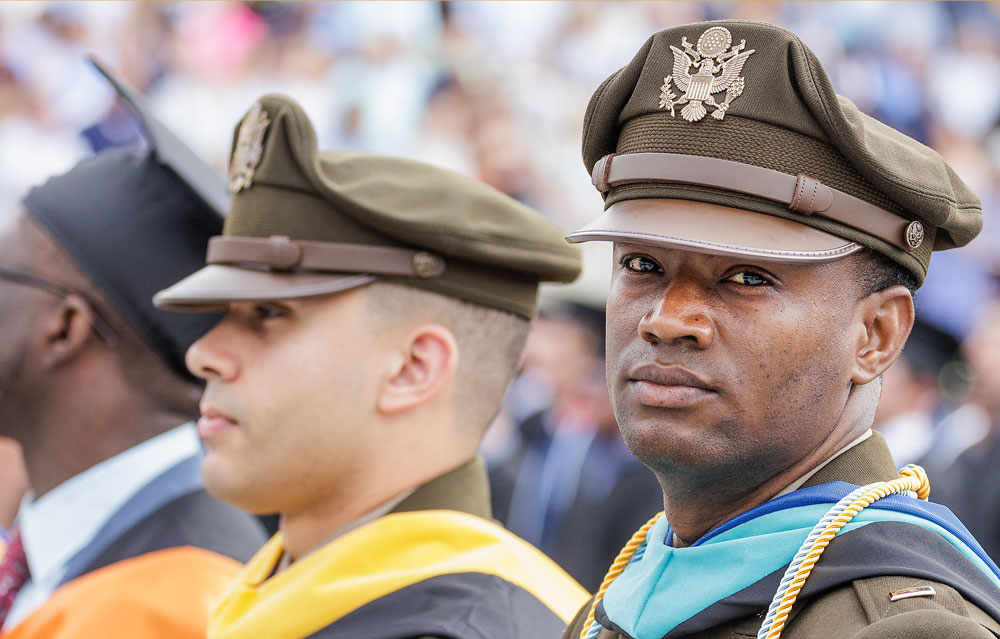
[23,243]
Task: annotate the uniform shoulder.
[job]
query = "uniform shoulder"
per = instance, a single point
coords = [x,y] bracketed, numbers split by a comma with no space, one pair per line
[928,624]
[880,607]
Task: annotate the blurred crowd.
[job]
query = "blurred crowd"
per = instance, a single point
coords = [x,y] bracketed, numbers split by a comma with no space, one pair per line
[498,91]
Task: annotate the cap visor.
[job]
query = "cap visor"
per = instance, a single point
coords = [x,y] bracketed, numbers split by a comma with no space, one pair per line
[714,229]
[213,287]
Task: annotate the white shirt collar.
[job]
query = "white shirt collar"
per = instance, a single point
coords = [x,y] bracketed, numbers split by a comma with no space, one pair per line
[59,524]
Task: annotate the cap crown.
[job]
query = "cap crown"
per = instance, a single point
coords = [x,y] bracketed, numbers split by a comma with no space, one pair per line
[495,249]
[779,111]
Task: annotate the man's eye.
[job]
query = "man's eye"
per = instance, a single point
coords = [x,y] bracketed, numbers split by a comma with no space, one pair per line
[641,264]
[748,278]
[267,311]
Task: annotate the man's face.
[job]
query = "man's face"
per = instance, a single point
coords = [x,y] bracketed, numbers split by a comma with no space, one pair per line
[289,391]
[719,365]
[20,308]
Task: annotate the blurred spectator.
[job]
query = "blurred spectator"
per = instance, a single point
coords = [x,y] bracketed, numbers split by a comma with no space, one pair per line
[94,389]
[971,487]
[568,460]
[912,401]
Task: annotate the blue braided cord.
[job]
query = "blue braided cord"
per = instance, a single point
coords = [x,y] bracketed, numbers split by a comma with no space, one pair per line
[800,556]
[595,626]
[639,552]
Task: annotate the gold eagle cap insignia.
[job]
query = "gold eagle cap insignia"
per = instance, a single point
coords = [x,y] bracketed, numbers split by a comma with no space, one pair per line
[249,148]
[717,68]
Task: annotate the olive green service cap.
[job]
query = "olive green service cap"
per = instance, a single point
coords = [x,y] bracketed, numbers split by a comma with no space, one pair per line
[727,138]
[304,222]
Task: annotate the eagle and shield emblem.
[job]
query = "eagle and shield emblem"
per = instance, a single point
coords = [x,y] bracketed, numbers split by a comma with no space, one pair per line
[249,148]
[717,68]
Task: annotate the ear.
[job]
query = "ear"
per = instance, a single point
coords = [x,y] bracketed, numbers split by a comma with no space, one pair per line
[429,357]
[66,330]
[887,317]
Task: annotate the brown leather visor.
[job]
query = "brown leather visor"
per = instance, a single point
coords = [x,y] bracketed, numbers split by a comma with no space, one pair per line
[215,286]
[714,229]
[800,193]
[243,269]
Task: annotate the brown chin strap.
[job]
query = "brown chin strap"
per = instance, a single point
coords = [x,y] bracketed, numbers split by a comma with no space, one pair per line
[801,193]
[283,254]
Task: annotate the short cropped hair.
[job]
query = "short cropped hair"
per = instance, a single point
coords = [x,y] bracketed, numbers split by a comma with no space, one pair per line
[877,272]
[490,342]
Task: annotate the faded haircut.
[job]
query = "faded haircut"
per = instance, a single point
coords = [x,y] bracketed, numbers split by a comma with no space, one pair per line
[877,272]
[490,342]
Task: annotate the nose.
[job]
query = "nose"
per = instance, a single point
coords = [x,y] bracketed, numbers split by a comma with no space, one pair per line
[680,315]
[211,358]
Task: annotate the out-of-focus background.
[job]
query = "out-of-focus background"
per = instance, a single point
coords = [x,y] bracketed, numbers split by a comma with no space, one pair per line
[497,90]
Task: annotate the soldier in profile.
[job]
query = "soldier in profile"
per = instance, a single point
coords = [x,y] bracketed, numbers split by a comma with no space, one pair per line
[375,311]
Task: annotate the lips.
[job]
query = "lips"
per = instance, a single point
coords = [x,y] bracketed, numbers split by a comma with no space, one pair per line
[213,422]
[668,386]
[667,376]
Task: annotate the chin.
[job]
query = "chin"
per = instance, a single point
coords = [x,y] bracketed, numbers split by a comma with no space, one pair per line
[232,488]
[668,447]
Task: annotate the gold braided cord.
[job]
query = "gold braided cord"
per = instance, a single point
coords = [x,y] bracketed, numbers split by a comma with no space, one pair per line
[910,478]
[617,566]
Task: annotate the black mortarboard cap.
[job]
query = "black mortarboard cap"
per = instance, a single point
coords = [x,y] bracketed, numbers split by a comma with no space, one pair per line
[136,221]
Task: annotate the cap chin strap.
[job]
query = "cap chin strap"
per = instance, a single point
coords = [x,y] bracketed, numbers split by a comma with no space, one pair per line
[283,254]
[801,193]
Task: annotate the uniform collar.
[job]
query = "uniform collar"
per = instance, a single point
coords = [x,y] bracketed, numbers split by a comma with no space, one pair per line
[465,489]
[865,463]
[801,481]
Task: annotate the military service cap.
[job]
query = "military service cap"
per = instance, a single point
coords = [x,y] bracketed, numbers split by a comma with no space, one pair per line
[134,220]
[727,138]
[304,222]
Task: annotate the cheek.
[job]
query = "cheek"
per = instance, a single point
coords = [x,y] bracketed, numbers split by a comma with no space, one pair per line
[625,309]
[802,368]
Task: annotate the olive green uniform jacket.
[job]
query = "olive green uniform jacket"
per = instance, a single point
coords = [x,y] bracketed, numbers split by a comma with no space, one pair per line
[861,610]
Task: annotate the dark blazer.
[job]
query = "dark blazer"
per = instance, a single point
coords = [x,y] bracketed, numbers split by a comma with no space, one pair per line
[172,510]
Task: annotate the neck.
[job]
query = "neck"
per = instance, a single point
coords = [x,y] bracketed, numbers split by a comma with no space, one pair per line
[395,471]
[302,532]
[78,429]
[696,504]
